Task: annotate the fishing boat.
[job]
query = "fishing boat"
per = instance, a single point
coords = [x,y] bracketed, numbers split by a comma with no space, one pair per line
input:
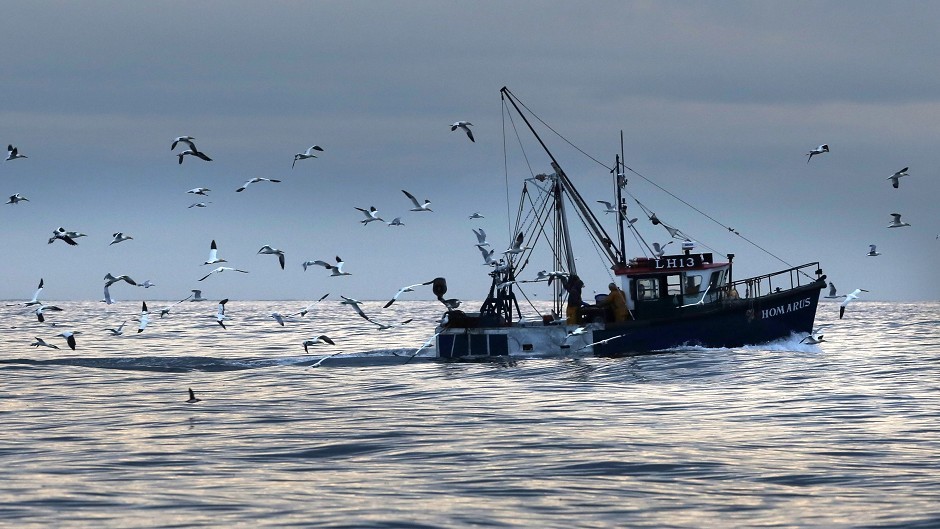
[685,299]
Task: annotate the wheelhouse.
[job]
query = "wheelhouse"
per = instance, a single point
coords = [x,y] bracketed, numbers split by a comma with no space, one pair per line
[655,287]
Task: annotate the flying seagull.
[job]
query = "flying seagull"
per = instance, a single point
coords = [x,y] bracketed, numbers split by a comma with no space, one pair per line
[517,246]
[255,181]
[166,310]
[872,252]
[107,296]
[42,343]
[278,317]
[303,312]
[818,150]
[199,205]
[273,251]
[354,303]
[609,208]
[465,125]
[371,214]
[306,154]
[660,249]
[17,198]
[12,153]
[192,397]
[896,222]
[35,300]
[147,284]
[476,215]
[193,152]
[219,270]
[894,178]
[396,222]
[481,238]
[849,298]
[813,337]
[214,254]
[832,292]
[119,237]
[417,206]
[197,296]
[204,191]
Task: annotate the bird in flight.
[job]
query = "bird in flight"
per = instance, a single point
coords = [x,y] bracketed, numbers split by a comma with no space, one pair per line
[465,125]
[306,154]
[16,198]
[818,150]
[13,153]
[418,206]
[254,181]
[273,251]
[894,178]
[896,221]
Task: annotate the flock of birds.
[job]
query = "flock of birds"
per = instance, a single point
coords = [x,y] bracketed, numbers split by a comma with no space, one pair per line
[143,318]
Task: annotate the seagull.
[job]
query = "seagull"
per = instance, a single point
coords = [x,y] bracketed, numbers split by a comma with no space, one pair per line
[120,237]
[402,290]
[337,269]
[818,150]
[214,254]
[832,292]
[610,208]
[488,257]
[543,275]
[277,316]
[371,214]
[119,331]
[16,198]
[871,251]
[60,233]
[894,178]
[481,238]
[220,315]
[144,317]
[386,326]
[147,284]
[320,361]
[418,207]
[396,222]
[42,309]
[476,215]
[197,296]
[273,251]
[850,297]
[576,332]
[13,154]
[254,181]
[42,343]
[188,140]
[896,223]
[193,152]
[306,154]
[517,246]
[110,280]
[192,397]
[465,125]
[199,205]
[69,338]
[318,340]
[204,191]
[659,249]
[219,270]
[166,310]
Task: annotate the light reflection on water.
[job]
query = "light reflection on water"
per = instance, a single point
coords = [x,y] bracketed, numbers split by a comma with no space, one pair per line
[843,434]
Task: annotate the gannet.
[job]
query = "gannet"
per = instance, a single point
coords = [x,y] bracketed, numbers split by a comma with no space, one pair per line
[219,270]
[818,150]
[273,251]
[417,206]
[119,331]
[16,198]
[465,125]
[42,309]
[192,397]
[42,343]
[872,252]
[402,290]
[13,154]
[396,222]
[371,214]
[204,191]
[849,298]
[110,280]
[188,140]
[318,340]
[306,154]
[69,337]
[220,314]
[214,254]
[193,152]
[120,237]
[144,317]
[337,269]
[254,181]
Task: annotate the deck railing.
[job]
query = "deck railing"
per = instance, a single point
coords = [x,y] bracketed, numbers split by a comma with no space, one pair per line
[754,287]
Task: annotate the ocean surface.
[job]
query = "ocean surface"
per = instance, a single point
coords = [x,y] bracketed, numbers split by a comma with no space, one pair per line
[841,434]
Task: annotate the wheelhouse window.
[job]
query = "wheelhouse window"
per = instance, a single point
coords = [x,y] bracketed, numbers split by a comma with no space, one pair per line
[647,289]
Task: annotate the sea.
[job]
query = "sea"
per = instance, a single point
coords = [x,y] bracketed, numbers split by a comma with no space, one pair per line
[845,433]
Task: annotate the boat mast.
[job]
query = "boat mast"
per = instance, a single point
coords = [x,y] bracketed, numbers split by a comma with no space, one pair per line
[586,214]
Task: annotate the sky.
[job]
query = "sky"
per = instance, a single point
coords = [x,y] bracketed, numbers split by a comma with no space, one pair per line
[718,102]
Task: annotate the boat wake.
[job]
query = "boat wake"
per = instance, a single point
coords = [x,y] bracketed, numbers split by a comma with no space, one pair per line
[791,343]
